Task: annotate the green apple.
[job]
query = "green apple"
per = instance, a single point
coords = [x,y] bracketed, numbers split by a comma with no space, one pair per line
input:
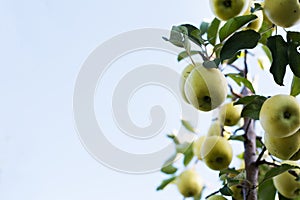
[286,184]
[283,148]
[226,9]
[284,13]
[205,88]
[197,145]
[280,115]
[189,183]
[216,152]
[230,114]
[215,128]
[216,197]
[185,73]
[257,23]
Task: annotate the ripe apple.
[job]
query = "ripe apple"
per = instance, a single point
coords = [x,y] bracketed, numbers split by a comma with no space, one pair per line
[216,152]
[286,184]
[205,88]
[226,9]
[283,148]
[185,73]
[189,183]
[284,13]
[197,145]
[230,114]
[280,115]
[216,197]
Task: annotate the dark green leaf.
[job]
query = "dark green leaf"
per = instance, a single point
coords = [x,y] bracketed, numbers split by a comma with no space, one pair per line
[165,183]
[240,40]
[239,80]
[211,63]
[234,24]
[234,58]
[188,126]
[252,109]
[229,171]
[188,155]
[293,39]
[174,138]
[267,191]
[277,170]
[257,7]
[245,100]
[193,33]
[226,191]
[212,31]
[295,87]
[279,49]
[184,55]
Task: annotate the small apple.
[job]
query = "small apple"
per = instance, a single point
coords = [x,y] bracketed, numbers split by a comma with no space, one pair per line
[280,115]
[230,114]
[284,13]
[216,152]
[283,148]
[216,197]
[189,183]
[205,88]
[197,145]
[185,73]
[226,9]
[237,191]
[286,183]
[257,23]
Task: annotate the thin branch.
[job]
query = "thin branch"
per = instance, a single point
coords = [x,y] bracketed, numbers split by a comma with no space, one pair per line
[261,154]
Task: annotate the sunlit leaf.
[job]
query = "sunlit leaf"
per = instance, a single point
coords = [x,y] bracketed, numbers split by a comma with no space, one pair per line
[295,87]
[213,31]
[165,183]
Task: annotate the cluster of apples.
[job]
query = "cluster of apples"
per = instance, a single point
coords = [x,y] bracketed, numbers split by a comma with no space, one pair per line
[284,13]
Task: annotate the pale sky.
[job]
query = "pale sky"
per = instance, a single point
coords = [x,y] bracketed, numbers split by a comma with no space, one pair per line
[43,46]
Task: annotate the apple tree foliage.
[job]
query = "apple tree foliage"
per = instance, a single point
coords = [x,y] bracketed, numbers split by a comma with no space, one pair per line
[230,42]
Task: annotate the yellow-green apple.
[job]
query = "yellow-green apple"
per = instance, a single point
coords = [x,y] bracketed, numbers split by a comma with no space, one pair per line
[215,128]
[185,73]
[230,114]
[280,115]
[284,13]
[286,183]
[189,183]
[226,9]
[205,88]
[216,197]
[197,145]
[237,191]
[216,152]
[283,148]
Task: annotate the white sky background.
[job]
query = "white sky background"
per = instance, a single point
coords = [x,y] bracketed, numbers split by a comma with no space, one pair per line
[42,47]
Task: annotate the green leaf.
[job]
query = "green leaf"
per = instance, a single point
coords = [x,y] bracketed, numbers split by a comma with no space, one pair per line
[234,24]
[267,191]
[247,39]
[211,63]
[245,100]
[293,39]
[212,31]
[204,27]
[183,147]
[279,49]
[237,138]
[169,169]
[184,55]
[239,80]
[252,109]
[267,52]
[188,155]
[188,126]
[226,191]
[277,170]
[193,33]
[295,87]
[165,183]
[174,138]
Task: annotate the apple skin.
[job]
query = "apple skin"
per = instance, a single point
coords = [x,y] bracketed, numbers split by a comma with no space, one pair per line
[280,115]
[230,114]
[226,9]
[216,197]
[216,152]
[185,73]
[237,192]
[215,128]
[205,89]
[284,13]
[189,183]
[286,184]
[283,148]
[257,23]
[197,145]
